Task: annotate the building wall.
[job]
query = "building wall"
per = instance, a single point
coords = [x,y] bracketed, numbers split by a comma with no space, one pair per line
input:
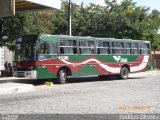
[2,58]
[5,56]
[156,59]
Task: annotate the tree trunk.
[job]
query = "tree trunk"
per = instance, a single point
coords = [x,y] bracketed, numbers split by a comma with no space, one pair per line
[155,59]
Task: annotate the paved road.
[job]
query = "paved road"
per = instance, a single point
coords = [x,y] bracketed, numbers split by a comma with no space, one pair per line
[139,94]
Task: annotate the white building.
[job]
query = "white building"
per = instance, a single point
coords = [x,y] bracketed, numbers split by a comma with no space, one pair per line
[5,56]
[2,58]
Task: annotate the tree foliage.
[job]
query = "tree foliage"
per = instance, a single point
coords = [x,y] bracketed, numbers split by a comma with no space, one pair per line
[124,20]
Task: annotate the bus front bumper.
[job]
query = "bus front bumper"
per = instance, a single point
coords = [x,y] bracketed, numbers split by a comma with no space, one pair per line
[27,74]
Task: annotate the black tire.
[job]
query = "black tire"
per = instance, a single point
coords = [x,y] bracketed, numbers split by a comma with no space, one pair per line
[62,76]
[124,73]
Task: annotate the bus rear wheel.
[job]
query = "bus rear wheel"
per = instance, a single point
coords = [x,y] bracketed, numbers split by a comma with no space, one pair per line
[62,76]
[124,73]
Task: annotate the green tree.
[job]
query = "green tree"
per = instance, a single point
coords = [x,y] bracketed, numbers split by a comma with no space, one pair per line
[124,20]
[10,29]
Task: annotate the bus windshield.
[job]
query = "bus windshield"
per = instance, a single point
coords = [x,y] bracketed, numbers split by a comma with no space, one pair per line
[25,49]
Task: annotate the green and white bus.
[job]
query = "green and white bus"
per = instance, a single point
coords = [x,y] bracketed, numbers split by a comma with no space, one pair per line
[62,56]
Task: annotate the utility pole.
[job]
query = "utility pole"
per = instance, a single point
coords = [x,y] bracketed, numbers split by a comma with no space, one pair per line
[69,19]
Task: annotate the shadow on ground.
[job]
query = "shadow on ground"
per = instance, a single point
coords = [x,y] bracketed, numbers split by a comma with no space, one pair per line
[93,79]
[104,78]
[18,81]
[70,80]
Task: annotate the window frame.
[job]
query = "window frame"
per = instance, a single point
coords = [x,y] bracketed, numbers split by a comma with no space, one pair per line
[135,48]
[50,47]
[118,48]
[108,48]
[128,48]
[67,46]
[39,47]
[87,40]
[148,49]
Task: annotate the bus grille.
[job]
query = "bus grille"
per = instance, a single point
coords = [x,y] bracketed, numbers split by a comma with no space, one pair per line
[20,74]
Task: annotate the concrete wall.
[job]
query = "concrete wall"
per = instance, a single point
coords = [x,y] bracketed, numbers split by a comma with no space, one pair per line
[6,8]
[156,59]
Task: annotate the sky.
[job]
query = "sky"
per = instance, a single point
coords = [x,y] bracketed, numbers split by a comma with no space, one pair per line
[153,4]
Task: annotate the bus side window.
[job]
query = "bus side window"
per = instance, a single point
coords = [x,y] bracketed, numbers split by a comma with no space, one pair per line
[135,49]
[128,48]
[68,47]
[103,47]
[53,48]
[118,48]
[61,50]
[44,48]
[86,47]
[67,50]
[144,48]
[74,50]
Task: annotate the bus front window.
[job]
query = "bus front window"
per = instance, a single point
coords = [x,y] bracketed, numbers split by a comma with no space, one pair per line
[25,51]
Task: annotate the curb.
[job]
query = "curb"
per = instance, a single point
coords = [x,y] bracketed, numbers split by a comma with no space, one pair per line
[7,88]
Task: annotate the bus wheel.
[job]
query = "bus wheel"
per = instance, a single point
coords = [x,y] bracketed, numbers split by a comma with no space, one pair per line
[124,73]
[62,76]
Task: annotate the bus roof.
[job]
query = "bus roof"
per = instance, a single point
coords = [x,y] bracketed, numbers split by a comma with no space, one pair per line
[46,37]
[51,38]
